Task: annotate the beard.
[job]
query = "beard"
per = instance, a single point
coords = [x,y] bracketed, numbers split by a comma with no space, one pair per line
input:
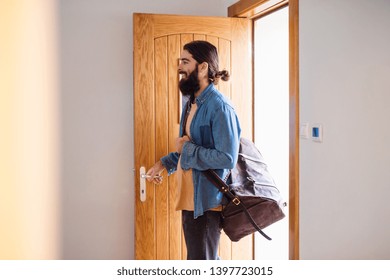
[190,85]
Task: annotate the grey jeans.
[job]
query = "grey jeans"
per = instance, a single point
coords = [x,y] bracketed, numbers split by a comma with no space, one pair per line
[202,234]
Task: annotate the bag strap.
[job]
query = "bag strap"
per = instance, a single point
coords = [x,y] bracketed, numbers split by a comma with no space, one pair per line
[224,188]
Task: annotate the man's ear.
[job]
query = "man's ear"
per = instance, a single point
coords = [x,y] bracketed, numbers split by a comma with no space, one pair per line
[204,68]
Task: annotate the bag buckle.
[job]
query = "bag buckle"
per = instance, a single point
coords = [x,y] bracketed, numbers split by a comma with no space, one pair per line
[236,201]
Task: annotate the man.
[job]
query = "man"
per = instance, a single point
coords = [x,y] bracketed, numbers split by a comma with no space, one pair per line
[209,139]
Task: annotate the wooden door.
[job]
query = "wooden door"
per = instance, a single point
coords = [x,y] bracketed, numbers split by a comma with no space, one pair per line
[158,41]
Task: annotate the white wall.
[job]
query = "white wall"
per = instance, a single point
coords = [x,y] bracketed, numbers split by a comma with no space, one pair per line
[97,121]
[345,85]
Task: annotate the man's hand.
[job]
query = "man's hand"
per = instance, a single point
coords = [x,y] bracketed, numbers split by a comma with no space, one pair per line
[154,173]
[180,142]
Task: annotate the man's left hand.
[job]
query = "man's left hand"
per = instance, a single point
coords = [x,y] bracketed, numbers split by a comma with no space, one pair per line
[180,142]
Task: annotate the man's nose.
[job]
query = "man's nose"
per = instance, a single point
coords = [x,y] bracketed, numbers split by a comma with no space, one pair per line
[180,71]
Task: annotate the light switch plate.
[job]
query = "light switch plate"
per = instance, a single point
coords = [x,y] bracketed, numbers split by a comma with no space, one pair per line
[316,132]
[304,131]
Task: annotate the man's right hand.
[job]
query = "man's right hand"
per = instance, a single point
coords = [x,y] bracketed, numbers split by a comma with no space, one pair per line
[154,173]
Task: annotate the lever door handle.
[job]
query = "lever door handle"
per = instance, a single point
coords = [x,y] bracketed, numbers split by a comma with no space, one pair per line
[142,183]
[145,176]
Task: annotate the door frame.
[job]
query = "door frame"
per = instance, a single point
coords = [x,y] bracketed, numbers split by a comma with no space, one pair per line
[253,9]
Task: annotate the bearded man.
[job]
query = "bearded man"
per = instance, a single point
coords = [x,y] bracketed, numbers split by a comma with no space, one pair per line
[209,139]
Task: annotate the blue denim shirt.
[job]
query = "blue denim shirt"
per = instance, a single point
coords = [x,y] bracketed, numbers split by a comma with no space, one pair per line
[215,133]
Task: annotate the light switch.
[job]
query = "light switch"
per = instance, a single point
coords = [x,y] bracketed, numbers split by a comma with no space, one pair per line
[304,130]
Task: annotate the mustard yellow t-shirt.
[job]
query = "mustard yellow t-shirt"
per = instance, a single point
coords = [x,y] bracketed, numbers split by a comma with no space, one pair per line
[185,184]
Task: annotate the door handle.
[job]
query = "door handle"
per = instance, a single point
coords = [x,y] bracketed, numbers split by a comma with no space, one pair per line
[142,183]
[145,176]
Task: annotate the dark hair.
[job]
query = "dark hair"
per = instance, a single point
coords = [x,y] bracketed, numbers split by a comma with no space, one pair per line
[203,51]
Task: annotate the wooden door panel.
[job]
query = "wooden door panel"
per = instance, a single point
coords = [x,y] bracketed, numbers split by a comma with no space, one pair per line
[178,24]
[174,109]
[158,41]
[224,51]
[144,137]
[162,122]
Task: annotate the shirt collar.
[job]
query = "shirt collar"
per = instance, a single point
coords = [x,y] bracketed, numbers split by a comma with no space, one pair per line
[205,94]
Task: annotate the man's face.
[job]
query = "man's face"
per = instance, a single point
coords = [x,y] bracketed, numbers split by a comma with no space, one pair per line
[188,69]
[187,64]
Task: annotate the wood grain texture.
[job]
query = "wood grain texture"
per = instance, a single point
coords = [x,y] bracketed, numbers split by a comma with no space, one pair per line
[241,75]
[215,41]
[144,135]
[213,26]
[225,248]
[161,144]
[174,48]
[294,129]
[243,250]
[224,51]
